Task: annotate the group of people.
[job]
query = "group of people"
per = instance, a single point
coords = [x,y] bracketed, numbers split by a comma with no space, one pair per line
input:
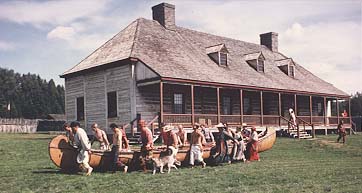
[78,138]
[243,143]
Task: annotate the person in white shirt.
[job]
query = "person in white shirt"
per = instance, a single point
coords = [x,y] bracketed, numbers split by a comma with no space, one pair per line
[81,142]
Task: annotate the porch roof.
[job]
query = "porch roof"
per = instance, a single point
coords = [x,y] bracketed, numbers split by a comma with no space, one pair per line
[181,54]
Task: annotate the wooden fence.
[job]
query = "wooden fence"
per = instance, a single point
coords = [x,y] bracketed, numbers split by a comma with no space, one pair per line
[29,125]
[18,125]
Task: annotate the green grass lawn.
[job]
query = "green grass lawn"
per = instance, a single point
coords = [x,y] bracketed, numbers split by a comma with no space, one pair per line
[291,166]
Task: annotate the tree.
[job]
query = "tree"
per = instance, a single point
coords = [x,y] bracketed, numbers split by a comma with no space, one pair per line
[356,104]
[30,95]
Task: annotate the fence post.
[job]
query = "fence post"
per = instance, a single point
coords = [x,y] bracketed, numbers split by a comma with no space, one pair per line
[313,131]
[298,131]
[159,120]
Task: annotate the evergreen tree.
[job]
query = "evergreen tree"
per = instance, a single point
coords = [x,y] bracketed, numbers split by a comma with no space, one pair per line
[30,96]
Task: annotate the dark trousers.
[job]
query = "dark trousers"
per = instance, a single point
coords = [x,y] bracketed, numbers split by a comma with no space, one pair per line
[343,136]
[116,161]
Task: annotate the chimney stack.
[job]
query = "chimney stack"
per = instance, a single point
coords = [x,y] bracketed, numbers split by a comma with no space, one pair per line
[270,40]
[164,13]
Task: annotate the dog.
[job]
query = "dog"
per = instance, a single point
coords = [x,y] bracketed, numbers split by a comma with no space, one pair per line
[167,160]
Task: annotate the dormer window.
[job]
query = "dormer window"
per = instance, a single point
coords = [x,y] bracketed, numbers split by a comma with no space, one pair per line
[256,61]
[219,54]
[291,71]
[287,66]
[260,65]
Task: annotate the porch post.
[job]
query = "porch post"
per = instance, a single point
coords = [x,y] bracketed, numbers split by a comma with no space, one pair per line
[192,105]
[161,101]
[325,110]
[261,108]
[280,107]
[218,104]
[337,110]
[295,104]
[241,107]
[349,111]
[310,109]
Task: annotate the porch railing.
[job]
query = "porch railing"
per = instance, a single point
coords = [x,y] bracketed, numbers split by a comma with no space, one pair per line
[252,119]
[304,123]
[331,120]
[318,120]
[210,119]
[231,119]
[271,120]
[184,119]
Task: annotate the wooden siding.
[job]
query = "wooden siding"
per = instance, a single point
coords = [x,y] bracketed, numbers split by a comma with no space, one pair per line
[118,79]
[94,87]
[168,93]
[251,103]
[74,87]
[235,100]
[95,101]
[143,72]
[287,101]
[205,100]
[303,106]
[270,103]
[148,101]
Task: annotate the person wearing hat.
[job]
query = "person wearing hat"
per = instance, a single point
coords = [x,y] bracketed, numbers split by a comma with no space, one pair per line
[222,148]
[117,148]
[169,137]
[238,149]
[147,144]
[196,143]
[81,142]
[252,146]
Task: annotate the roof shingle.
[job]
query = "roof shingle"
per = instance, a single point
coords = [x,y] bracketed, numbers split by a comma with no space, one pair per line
[180,53]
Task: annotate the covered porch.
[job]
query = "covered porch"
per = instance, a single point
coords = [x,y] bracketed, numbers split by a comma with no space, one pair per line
[188,102]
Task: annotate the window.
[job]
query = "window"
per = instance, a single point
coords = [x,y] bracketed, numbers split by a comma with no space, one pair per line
[226,105]
[178,103]
[256,60]
[80,108]
[260,65]
[291,71]
[112,104]
[218,53]
[223,59]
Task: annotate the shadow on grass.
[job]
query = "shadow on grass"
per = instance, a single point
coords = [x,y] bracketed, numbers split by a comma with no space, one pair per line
[54,171]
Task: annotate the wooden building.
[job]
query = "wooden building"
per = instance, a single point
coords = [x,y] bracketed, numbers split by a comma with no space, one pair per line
[154,67]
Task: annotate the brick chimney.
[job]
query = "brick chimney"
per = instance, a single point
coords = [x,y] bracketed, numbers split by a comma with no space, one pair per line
[164,13]
[270,40]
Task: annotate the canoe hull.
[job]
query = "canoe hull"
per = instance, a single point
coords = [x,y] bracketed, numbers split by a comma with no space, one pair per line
[64,156]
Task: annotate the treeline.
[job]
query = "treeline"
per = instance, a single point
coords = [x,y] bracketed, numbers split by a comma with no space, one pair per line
[356,104]
[28,96]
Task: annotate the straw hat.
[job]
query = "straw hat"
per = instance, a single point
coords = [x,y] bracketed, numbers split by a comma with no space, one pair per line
[167,128]
[220,125]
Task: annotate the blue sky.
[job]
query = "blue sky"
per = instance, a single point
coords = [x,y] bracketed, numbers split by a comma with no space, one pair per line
[49,37]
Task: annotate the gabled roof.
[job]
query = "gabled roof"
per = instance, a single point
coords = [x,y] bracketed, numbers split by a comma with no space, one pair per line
[180,54]
[253,56]
[283,62]
[217,48]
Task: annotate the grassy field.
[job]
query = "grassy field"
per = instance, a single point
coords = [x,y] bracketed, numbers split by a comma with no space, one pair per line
[291,166]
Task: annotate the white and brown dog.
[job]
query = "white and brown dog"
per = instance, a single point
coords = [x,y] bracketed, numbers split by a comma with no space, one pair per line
[168,160]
